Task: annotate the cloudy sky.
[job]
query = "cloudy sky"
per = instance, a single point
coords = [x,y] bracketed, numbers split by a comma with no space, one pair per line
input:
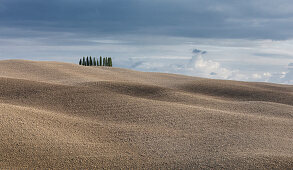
[248,40]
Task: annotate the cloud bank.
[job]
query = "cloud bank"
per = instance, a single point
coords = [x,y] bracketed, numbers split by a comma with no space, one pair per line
[201,67]
[185,18]
[240,40]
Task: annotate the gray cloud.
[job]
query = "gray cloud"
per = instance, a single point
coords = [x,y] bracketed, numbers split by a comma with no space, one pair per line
[197,51]
[187,18]
[246,40]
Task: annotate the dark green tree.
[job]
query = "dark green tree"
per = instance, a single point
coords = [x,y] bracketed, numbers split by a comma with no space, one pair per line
[91,61]
[107,64]
[101,61]
[83,61]
[110,61]
[95,63]
[87,61]
[79,61]
[104,62]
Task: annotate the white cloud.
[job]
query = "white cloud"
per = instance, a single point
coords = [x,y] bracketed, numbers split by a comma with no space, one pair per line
[285,77]
[256,76]
[208,68]
[261,77]
[198,66]
[234,59]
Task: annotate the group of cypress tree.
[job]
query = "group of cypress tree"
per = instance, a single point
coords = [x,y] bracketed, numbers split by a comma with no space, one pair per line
[89,61]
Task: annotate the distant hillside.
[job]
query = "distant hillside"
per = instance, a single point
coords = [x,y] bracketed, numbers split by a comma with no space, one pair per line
[60,115]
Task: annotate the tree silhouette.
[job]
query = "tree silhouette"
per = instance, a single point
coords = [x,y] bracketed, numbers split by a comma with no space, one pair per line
[83,61]
[91,61]
[110,61]
[95,63]
[87,61]
[101,61]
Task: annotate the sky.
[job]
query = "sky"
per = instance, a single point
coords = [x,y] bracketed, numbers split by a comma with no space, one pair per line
[248,40]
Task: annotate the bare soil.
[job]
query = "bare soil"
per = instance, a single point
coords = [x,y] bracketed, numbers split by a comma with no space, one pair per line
[65,116]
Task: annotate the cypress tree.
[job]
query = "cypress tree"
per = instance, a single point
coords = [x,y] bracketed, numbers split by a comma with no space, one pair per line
[87,61]
[110,62]
[91,61]
[83,61]
[79,61]
[104,62]
[100,60]
[95,63]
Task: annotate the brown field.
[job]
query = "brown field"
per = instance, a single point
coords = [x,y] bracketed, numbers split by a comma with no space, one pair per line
[60,115]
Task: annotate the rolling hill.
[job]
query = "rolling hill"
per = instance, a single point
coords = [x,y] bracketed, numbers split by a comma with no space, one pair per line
[61,115]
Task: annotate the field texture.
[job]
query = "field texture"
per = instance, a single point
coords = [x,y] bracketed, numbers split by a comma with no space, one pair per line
[60,115]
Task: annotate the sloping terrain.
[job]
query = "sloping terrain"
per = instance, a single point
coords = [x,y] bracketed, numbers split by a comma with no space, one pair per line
[60,115]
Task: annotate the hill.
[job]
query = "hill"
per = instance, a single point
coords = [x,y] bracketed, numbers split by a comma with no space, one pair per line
[60,115]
